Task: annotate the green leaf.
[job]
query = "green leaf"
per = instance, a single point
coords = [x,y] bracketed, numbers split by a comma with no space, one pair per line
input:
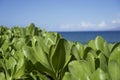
[67,76]
[89,50]
[103,62]
[30,30]
[37,54]
[20,72]
[2,76]
[114,70]
[10,63]
[99,42]
[68,46]
[17,32]
[19,56]
[5,45]
[20,42]
[99,74]
[114,64]
[79,70]
[114,46]
[35,75]
[91,44]
[78,50]
[39,67]
[75,52]
[29,53]
[58,58]
[51,39]
[106,50]
[115,55]
[35,58]
[102,45]
[59,52]
[91,60]
[110,45]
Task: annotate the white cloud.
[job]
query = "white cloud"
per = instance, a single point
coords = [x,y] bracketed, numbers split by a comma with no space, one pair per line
[86,26]
[102,24]
[116,21]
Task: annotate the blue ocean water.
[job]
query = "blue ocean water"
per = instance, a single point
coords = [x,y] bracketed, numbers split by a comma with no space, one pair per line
[84,36]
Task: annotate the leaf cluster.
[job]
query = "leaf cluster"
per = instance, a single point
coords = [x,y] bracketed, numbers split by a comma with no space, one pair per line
[34,54]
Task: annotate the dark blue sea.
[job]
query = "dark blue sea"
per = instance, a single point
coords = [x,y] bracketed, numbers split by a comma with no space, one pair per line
[84,36]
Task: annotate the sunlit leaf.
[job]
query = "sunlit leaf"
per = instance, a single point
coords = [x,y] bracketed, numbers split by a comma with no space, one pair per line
[79,70]
[99,74]
[114,70]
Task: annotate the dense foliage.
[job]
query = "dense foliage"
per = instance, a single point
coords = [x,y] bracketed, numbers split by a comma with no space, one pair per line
[34,54]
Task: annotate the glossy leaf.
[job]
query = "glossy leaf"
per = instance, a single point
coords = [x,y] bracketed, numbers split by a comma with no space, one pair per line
[30,53]
[79,70]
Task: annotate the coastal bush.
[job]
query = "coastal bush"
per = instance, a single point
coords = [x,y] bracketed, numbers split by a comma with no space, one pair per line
[34,54]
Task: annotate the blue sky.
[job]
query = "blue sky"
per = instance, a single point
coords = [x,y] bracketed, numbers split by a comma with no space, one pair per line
[62,15]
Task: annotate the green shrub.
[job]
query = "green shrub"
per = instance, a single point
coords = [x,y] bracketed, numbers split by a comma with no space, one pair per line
[34,54]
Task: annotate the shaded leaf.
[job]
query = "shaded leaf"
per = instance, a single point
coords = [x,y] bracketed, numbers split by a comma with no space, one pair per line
[58,58]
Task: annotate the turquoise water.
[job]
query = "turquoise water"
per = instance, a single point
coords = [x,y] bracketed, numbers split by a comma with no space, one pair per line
[85,36]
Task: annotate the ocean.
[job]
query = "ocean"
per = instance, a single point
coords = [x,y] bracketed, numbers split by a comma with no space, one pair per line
[84,36]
